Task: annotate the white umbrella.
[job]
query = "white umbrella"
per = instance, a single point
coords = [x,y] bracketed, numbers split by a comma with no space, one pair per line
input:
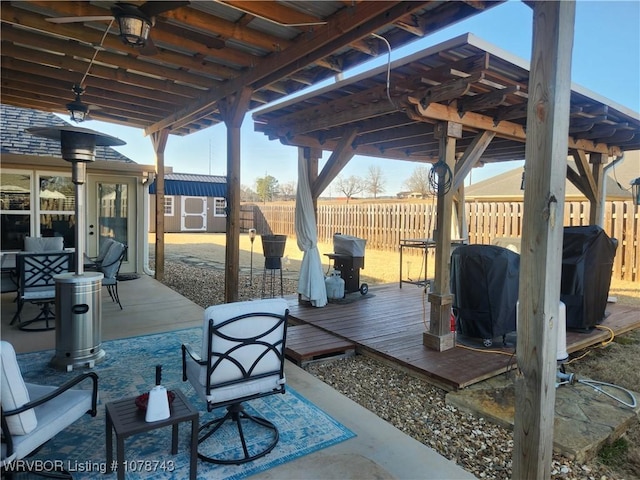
[311,281]
[52,194]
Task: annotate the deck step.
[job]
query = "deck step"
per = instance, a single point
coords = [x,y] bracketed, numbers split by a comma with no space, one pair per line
[307,344]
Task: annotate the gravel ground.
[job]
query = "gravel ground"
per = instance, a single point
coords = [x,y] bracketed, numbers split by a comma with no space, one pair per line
[412,405]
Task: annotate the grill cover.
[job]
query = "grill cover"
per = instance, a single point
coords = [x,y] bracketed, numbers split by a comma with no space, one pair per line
[587,260]
[484,282]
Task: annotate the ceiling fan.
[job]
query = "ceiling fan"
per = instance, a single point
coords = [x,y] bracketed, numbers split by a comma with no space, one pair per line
[78,110]
[134,21]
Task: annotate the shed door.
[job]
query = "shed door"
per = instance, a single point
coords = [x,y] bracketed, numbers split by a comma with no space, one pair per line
[194,214]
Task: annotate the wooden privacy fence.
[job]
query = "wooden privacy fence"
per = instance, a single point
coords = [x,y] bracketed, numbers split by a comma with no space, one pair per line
[384,224]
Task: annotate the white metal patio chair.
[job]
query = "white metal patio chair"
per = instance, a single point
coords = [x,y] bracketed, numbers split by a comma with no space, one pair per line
[242,358]
[33,414]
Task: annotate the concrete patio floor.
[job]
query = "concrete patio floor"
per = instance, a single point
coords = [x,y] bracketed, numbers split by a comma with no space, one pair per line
[379,451]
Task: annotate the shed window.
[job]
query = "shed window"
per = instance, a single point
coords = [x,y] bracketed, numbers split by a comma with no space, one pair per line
[168,206]
[220,207]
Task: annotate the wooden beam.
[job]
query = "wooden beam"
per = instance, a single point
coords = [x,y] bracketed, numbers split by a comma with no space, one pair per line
[509,130]
[579,182]
[486,100]
[582,164]
[348,25]
[233,112]
[470,157]
[444,92]
[159,142]
[541,253]
[276,13]
[337,161]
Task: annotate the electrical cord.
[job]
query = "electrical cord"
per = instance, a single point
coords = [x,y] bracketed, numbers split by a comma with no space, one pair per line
[602,344]
[388,86]
[440,179]
[596,386]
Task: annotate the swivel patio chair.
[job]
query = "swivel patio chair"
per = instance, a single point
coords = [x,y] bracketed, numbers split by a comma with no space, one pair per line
[110,267]
[33,414]
[36,284]
[242,359]
[94,263]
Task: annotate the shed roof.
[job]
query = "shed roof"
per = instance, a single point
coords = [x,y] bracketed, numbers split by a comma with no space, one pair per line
[193,185]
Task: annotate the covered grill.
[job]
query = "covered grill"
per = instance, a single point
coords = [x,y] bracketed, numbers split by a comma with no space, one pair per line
[348,259]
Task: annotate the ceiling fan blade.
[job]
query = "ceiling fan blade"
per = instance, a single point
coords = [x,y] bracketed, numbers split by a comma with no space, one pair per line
[151,9]
[91,18]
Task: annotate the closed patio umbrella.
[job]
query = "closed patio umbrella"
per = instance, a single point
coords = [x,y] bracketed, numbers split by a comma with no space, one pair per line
[311,281]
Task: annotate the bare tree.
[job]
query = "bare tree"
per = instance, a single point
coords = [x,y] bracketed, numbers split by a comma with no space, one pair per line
[375,181]
[350,186]
[288,190]
[247,194]
[418,182]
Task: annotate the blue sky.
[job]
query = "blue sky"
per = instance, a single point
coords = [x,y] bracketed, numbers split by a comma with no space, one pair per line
[606,60]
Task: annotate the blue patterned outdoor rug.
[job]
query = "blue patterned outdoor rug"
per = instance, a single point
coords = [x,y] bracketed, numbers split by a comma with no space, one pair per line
[129,370]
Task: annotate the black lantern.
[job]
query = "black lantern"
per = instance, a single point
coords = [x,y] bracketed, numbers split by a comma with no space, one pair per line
[134,28]
[78,110]
[635,191]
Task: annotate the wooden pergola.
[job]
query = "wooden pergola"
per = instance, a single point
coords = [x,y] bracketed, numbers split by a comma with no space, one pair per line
[214,61]
[463,103]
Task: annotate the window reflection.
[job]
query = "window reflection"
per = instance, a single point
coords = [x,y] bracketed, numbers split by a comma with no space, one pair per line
[15,205]
[113,201]
[57,207]
[15,191]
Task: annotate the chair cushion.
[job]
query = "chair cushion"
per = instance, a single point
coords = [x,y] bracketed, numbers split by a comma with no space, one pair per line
[14,392]
[110,263]
[43,244]
[246,328]
[53,416]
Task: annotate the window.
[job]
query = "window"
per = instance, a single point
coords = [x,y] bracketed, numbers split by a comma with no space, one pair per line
[220,207]
[15,199]
[56,202]
[168,206]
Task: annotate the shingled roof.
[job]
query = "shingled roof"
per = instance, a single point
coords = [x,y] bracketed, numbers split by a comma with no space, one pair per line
[507,186]
[14,122]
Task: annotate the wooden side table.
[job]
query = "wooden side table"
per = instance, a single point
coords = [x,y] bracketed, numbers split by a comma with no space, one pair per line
[125,419]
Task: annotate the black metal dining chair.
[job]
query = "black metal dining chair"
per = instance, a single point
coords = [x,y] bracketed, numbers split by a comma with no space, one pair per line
[36,284]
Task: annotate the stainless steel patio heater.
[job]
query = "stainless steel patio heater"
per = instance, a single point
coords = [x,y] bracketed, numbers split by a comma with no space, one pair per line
[78,300]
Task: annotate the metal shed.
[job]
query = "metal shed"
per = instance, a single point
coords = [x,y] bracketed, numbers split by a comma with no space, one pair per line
[192,203]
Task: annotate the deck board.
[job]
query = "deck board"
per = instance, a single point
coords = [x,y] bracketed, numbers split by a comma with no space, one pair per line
[390,324]
[306,343]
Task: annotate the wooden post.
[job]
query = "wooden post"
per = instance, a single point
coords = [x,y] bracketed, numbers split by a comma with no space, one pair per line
[596,214]
[159,141]
[439,336]
[233,112]
[541,257]
[312,156]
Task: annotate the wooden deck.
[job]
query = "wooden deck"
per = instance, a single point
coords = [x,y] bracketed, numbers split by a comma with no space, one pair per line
[307,344]
[389,322]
